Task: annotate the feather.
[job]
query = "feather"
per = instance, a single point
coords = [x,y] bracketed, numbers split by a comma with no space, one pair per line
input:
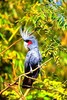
[32,61]
[33,58]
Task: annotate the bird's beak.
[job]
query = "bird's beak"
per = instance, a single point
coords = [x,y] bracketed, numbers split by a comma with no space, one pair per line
[25,45]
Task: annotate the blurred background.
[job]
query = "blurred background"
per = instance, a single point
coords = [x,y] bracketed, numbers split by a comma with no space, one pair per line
[47,19]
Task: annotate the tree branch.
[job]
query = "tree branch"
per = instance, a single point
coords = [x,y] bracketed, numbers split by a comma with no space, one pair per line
[23,75]
[10,46]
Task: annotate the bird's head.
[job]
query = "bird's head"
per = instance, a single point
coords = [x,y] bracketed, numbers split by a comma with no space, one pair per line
[30,41]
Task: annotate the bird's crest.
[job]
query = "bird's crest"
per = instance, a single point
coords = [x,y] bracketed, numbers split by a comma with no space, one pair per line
[25,34]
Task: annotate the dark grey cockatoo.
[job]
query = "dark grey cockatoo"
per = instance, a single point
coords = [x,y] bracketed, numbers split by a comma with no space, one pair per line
[33,58]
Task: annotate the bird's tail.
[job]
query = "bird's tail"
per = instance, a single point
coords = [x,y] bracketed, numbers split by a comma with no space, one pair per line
[27,82]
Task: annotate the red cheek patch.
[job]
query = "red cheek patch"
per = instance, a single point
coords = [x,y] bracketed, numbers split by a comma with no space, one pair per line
[30,42]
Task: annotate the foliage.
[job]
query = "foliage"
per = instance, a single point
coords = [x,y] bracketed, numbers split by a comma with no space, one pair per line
[48,23]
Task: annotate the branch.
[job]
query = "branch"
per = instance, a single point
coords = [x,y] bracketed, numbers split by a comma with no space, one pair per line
[25,94]
[10,46]
[23,75]
[36,68]
[8,87]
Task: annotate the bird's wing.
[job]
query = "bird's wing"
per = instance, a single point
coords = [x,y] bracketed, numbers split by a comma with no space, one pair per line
[34,59]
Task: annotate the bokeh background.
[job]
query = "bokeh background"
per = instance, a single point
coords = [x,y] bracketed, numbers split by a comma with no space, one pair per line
[47,19]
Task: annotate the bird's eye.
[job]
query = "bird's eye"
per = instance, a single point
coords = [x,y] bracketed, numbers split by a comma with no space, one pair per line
[27,41]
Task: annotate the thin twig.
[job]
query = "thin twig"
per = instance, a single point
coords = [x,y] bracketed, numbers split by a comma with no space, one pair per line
[23,75]
[36,68]
[27,91]
[8,87]
[10,46]
[15,90]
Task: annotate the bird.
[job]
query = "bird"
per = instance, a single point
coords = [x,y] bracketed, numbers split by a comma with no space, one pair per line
[33,58]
